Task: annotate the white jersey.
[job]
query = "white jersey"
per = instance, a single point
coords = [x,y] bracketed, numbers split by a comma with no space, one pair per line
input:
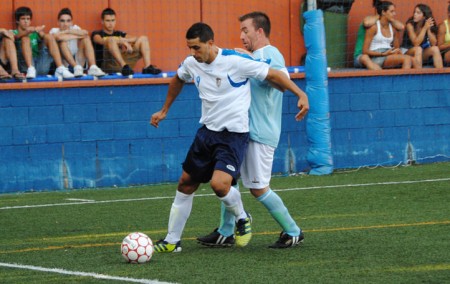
[73,43]
[224,88]
[379,40]
[267,102]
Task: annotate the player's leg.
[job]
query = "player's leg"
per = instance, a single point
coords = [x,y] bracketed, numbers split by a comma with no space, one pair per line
[53,50]
[229,150]
[142,45]
[9,54]
[256,175]
[416,54]
[196,162]
[447,58]
[396,60]
[25,57]
[179,214]
[433,51]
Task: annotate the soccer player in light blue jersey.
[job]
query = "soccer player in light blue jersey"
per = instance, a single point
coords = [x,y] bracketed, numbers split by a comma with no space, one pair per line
[222,79]
[265,129]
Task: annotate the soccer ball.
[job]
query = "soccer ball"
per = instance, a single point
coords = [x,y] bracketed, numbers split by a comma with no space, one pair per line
[137,248]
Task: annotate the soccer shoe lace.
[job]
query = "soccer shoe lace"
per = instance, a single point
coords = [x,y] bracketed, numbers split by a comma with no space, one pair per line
[163,246]
[243,231]
[287,241]
[216,239]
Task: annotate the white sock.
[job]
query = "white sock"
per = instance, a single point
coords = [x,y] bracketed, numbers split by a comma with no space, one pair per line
[233,203]
[179,213]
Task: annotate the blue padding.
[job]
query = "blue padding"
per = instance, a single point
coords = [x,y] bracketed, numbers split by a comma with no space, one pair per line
[318,128]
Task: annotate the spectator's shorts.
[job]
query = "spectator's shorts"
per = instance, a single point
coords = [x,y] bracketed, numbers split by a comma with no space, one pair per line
[110,65]
[357,63]
[42,62]
[379,59]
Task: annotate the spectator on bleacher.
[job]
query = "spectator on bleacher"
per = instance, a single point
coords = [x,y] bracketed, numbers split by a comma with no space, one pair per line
[75,45]
[8,56]
[419,39]
[444,38]
[36,50]
[381,41]
[361,60]
[117,51]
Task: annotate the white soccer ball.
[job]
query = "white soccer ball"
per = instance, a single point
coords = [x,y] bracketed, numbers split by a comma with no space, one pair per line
[137,248]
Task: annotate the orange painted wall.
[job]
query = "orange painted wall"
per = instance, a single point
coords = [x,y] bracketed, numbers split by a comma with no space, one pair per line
[165,21]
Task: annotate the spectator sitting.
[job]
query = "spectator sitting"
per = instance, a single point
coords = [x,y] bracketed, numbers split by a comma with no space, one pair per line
[75,45]
[444,38]
[419,39]
[116,51]
[361,60]
[8,56]
[36,50]
[381,43]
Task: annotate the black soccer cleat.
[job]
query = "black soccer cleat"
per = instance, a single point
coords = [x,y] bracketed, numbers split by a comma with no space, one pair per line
[216,239]
[151,69]
[287,241]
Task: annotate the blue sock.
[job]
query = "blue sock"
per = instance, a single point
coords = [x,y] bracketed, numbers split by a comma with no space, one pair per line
[227,222]
[279,212]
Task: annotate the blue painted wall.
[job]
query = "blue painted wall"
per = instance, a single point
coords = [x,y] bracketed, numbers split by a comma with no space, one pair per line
[54,139]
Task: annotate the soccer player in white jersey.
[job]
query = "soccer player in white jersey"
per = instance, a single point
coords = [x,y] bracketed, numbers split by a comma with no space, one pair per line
[222,79]
[265,129]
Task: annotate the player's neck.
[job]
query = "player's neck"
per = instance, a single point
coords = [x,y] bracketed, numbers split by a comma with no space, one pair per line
[261,44]
[213,54]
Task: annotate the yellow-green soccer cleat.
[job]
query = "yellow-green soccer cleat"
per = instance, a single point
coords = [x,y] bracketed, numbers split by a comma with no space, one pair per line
[163,246]
[243,231]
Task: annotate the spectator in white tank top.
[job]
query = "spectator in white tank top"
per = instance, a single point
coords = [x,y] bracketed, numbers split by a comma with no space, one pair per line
[381,41]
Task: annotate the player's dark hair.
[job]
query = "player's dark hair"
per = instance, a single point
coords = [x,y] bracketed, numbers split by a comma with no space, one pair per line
[383,6]
[201,31]
[22,11]
[260,21]
[108,12]
[65,11]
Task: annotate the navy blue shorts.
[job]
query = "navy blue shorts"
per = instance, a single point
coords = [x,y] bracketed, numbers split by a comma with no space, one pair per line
[213,150]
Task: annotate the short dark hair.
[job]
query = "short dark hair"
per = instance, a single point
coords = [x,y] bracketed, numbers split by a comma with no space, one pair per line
[65,11]
[108,12]
[23,11]
[201,31]
[260,20]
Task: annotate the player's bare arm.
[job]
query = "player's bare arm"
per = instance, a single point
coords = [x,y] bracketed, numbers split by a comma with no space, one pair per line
[280,79]
[175,86]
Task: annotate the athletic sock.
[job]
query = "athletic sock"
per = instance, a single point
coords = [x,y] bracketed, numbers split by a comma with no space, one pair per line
[279,212]
[227,221]
[233,203]
[179,213]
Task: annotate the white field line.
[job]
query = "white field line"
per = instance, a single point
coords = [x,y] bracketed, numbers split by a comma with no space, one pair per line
[79,273]
[212,194]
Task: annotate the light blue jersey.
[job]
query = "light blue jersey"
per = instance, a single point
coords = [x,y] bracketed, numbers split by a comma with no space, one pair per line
[266,105]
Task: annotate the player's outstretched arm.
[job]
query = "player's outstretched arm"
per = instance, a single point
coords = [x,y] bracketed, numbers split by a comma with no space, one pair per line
[175,86]
[280,79]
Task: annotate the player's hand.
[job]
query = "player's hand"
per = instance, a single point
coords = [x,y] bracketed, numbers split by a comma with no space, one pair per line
[244,51]
[303,106]
[128,47]
[9,34]
[156,118]
[39,29]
